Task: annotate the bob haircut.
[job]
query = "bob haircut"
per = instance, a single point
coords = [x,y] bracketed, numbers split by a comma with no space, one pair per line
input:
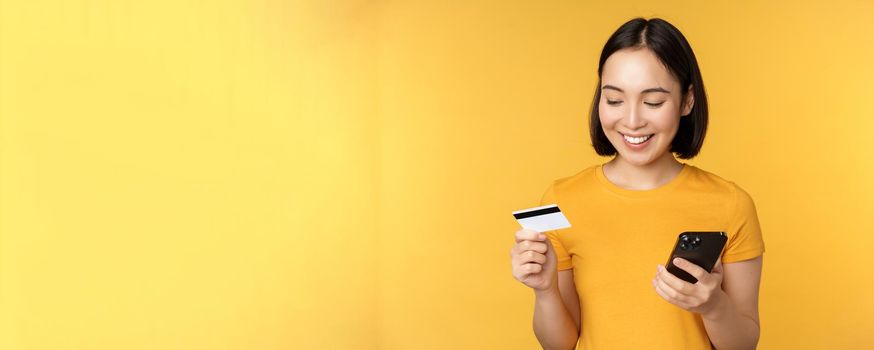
[674,52]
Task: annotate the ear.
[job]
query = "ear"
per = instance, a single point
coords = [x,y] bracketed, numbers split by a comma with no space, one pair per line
[688,103]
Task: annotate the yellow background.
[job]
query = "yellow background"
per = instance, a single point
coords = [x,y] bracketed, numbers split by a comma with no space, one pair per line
[340,174]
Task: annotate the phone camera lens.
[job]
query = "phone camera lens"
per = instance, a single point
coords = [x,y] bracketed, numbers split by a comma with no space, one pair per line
[684,246]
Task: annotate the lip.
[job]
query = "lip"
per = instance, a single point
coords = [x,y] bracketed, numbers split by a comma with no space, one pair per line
[637,147]
[634,135]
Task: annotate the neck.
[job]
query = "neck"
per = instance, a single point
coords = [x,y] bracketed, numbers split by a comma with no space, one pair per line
[642,177]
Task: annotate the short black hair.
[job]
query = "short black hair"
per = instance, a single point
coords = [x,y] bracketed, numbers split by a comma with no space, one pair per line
[674,52]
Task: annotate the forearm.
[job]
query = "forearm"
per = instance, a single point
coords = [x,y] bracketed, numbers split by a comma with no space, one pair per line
[553,324]
[729,329]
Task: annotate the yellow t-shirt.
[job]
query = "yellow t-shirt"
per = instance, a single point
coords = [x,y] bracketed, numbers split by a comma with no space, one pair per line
[616,238]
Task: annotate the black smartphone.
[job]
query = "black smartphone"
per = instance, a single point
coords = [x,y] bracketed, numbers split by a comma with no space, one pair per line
[700,248]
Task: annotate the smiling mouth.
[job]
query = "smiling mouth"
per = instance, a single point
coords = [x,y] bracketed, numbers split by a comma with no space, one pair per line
[636,140]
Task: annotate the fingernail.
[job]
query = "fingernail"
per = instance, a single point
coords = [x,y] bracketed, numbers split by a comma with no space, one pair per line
[541,237]
[677,261]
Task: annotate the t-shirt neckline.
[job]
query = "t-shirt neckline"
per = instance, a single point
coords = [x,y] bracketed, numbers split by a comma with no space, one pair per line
[676,181]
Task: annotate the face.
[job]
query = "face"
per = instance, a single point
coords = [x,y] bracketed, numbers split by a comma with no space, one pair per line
[640,106]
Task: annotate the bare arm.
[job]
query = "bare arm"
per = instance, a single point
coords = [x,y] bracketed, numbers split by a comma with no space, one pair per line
[733,323]
[557,306]
[557,314]
[727,299]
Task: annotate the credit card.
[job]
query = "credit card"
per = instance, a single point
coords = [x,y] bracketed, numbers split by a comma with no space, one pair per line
[544,218]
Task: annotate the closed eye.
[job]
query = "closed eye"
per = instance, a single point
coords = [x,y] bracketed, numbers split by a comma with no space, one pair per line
[613,103]
[654,104]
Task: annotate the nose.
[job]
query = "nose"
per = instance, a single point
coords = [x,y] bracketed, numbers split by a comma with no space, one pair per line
[633,120]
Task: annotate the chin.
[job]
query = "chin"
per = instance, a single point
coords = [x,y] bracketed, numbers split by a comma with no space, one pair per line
[639,160]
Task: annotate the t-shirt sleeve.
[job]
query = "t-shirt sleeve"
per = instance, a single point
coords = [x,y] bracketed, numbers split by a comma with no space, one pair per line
[745,236]
[561,254]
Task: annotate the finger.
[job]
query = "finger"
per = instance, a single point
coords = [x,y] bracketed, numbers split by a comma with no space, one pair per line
[529,235]
[661,292]
[674,282]
[528,269]
[548,244]
[664,292]
[694,270]
[531,245]
[669,292]
[532,256]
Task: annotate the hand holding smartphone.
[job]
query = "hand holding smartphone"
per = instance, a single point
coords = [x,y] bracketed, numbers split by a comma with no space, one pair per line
[699,248]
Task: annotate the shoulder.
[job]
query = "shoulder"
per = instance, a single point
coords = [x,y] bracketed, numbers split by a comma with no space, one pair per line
[705,177]
[707,181]
[731,192]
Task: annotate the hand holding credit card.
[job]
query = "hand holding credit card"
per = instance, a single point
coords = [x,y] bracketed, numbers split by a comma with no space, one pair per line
[533,258]
[544,218]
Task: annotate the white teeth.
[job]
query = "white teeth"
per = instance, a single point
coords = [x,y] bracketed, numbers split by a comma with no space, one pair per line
[636,140]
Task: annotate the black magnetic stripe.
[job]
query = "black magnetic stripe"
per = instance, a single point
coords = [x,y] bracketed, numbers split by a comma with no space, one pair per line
[537,212]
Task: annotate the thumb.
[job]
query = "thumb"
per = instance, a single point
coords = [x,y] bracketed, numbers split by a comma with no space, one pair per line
[717,268]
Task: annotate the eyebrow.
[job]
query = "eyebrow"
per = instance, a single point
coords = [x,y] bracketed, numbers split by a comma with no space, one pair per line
[654,89]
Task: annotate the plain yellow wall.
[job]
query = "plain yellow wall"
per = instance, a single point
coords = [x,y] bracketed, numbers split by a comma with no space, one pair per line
[187,175]
[340,174]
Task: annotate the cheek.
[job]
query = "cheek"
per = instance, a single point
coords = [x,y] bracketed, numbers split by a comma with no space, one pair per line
[609,115]
[665,121]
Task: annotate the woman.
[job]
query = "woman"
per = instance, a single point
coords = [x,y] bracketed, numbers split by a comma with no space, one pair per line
[601,284]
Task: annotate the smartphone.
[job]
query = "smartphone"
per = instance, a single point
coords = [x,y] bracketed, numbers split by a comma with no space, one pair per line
[700,248]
